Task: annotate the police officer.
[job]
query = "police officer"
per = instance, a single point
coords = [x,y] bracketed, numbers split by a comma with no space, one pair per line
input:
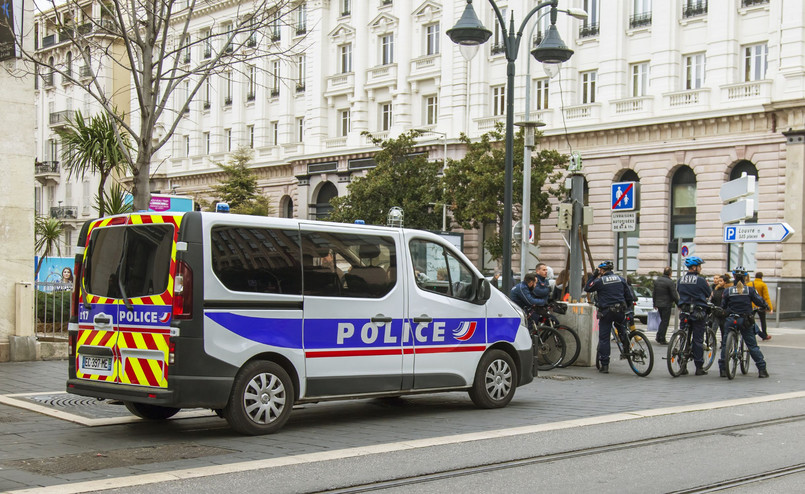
[522,295]
[738,299]
[613,299]
[694,293]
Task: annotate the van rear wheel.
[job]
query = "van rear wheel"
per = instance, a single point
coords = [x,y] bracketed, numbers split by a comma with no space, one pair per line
[495,380]
[150,412]
[261,399]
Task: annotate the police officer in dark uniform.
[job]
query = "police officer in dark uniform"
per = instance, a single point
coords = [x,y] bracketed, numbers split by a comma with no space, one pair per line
[738,299]
[613,299]
[694,292]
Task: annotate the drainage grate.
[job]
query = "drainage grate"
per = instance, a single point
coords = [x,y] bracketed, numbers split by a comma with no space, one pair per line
[559,377]
[83,406]
[66,401]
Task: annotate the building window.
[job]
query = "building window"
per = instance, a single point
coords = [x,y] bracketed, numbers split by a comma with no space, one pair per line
[749,262]
[387,49]
[275,26]
[206,138]
[588,87]
[300,129]
[386,116]
[755,62]
[186,146]
[683,206]
[187,46]
[346,9]
[692,8]
[206,35]
[275,133]
[301,19]
[642,14]
[499,100]
[227,88]
[228,139]
[228,29]
[589,27]
[207,93]
[251,83]
[300,73]
[431,109]
[498,44]
[345,57]
[542,88]
[68,66]
[344,127]
[432,39]
[275,78]
[639,79]
[694,71]
[250,134]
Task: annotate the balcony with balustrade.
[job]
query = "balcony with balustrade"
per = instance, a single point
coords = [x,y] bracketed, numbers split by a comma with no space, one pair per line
[382,75]
[64,212]
[47,172]
[60,119]
[425,67]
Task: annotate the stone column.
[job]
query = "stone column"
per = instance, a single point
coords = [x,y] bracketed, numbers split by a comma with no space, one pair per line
[793,279]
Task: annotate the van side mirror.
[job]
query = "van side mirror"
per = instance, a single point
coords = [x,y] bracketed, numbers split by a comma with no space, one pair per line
[483,291]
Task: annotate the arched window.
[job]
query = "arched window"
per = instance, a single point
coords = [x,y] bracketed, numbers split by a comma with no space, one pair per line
[632,238]
[749,248]
[287,207]
[683,207]
[69,64]
[327,192]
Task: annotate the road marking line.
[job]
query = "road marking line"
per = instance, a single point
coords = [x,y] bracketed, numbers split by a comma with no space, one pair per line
[199,472]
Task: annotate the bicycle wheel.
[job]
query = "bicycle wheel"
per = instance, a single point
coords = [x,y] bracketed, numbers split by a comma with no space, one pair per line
[710,348]
[640,353]
[744,357]
[676,354]
[572,345]
[731,354]
[551,348]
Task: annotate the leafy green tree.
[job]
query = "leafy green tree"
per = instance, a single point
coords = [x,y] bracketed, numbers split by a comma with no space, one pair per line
[474,184]
[239,188]
[93,147]
[401,178]
[47,233]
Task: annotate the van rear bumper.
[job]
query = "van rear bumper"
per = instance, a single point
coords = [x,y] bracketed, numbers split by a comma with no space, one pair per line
[185,392]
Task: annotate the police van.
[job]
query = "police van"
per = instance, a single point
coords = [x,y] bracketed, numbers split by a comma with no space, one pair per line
[250,315]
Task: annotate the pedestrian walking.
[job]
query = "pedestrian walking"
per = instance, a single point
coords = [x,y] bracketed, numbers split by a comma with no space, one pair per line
[760,287]
[739,300]
[613,299]
[694,292]
[665,297]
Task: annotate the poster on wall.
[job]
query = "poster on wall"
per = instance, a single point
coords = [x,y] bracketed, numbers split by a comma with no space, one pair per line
[10,29]
[54,272]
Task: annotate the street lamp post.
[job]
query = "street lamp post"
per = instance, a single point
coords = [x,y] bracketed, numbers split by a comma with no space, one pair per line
[442,135]
[470,32]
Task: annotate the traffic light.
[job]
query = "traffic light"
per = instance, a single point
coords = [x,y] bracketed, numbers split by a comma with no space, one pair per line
[565,219]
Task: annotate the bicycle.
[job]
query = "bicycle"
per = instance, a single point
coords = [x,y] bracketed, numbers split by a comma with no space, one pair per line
[680,348]
[735,349]
[569,335]
[549,346]
[640,354]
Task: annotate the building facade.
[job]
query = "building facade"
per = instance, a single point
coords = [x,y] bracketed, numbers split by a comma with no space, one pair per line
[680,96]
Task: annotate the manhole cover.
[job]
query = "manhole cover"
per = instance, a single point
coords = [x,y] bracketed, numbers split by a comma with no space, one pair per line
[559,377]
[80,405]
[66,401]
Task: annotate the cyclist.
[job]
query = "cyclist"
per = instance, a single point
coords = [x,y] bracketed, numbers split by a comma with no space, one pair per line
[522,295]
[613,299]
[694,292]
[738,300]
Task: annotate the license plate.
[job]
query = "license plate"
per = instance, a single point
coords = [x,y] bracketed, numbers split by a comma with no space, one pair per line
[96,363]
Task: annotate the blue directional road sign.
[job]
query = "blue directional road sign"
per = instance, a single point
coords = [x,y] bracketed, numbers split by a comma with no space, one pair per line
[623,196]
[757,232]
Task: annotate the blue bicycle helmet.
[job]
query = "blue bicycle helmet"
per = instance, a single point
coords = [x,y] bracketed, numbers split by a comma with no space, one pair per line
[693,261]
[608,265]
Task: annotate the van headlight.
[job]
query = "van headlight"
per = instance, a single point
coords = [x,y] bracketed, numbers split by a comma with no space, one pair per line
[519,311]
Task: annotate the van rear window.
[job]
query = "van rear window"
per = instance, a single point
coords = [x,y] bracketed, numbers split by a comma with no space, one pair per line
[134,257]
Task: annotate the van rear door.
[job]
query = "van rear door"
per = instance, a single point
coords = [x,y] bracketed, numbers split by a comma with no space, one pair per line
[127,287]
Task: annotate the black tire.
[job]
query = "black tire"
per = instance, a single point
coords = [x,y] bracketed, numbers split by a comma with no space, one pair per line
[744,358]
[675,357]
[261,399]
[551,350]
[150,412]
[495,380]
[572,345]
[731,356]
[640,354]
[710,348]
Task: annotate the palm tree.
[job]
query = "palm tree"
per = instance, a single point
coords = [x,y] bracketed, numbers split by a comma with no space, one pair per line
[48,233]
[97,145]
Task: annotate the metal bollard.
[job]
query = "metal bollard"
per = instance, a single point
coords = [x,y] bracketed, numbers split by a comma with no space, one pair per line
[777,307]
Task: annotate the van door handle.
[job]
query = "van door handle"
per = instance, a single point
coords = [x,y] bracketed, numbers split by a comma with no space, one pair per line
[381,318]
[423,318]
[102,320]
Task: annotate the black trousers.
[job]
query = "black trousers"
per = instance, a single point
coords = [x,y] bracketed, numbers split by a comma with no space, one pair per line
[763,334]
[665,318]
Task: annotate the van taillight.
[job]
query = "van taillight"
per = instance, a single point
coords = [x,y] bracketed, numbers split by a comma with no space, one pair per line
[77,274]
[183,291]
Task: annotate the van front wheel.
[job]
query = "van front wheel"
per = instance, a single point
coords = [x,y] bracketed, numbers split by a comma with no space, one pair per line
[261,399]
[150,412]
[495,380]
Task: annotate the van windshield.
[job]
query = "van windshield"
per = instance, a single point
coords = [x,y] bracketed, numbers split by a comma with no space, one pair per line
[137,255]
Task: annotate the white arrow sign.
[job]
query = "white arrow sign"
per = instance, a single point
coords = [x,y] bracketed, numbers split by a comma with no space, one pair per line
[737,211]
[757,232]
[739,187]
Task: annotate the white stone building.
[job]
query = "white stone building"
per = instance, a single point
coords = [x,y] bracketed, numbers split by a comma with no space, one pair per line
[679,95]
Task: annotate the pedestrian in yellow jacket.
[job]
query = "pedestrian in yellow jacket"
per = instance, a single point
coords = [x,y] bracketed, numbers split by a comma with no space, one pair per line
[763,291]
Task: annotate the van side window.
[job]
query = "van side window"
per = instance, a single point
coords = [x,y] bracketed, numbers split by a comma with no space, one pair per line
[135,257]
[348,265]
[437,270]
[258,260]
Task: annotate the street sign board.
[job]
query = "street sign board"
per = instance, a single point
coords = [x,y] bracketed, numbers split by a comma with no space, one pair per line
[624,222]
[757,232]
[531,233]
[742,209]
[737,188]
[623,196]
